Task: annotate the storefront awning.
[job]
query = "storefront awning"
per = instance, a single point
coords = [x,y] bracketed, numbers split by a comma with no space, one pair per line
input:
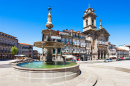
[69,56]
[113,56]
[19,55]
[55,37]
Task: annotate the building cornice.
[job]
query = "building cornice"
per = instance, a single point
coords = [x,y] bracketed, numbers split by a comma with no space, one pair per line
[89,14]
[8,38]
[91,26]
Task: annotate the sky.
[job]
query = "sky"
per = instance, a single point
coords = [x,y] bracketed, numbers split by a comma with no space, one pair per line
[25,19]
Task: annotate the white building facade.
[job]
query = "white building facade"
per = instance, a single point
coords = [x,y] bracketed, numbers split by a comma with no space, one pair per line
[112,50]
[25,49]
[6,43]
[123,51]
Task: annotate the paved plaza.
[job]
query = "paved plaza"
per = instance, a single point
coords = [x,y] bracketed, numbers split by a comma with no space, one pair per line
[95,73]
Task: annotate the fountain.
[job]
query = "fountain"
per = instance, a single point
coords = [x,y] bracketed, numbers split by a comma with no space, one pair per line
[49,44]
[48,71]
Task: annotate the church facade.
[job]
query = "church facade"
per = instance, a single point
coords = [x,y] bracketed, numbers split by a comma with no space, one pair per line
[98,37]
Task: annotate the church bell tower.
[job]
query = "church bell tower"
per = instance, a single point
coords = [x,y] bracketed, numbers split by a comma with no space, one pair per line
[89,19]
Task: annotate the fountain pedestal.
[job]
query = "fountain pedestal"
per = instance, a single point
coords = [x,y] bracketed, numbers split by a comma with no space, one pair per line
[49,55]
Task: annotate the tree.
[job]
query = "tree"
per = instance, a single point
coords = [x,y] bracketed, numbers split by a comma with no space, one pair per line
[14,50]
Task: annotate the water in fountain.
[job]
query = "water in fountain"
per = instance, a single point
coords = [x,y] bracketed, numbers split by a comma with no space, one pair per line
[41,64]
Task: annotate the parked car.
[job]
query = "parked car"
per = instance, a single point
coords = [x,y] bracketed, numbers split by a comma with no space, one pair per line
[127,58]
[122,58]
[113,58]
[118,59]
[108,60]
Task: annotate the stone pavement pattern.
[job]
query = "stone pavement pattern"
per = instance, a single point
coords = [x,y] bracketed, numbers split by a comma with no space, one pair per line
[7,78]
[111,74]
[107,74]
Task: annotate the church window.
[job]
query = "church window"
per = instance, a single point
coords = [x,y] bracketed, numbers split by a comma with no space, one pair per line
[104,42]
[86,22]
[92,22]
[101,41]
[98,41]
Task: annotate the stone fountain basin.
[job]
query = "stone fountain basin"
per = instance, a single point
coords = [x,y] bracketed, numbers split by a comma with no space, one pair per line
[48,44]
[50,75]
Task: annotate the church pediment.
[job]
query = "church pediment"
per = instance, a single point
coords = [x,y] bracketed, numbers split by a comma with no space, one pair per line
[103,31]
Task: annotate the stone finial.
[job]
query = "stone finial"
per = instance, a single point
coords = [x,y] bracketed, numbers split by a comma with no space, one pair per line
[49,24]
[100,21]
[100,27]
[49,8]
[89,6]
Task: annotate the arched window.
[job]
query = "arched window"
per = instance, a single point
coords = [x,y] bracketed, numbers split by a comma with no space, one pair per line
[92,22]
[86,22]
[98,41]
[104,42]
[101,41]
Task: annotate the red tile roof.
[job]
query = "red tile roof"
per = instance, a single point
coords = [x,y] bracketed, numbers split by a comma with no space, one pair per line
[25,44]
[127,45]
[121,49]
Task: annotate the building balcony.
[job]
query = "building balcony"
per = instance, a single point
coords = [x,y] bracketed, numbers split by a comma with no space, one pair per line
[82,37]
[3,43]
[10,45]
[77,36]
[63,42]
[26,48]
[5,51]
[27,52]
[102,44]
[0,51]
[0,43]
[67,42]
[59,52]
[75,43]
[73,36]
[71,43]
[74,52]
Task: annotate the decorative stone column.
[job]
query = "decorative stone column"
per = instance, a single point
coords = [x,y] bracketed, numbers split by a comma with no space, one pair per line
[42,55]
[49,55]
[103,55]
[60,53]
[100,54]
[55,53]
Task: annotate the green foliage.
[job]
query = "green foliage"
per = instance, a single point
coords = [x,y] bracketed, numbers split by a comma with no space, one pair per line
[14,50]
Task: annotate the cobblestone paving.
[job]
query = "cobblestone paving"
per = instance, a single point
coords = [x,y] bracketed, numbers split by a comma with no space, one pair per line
[6,66]
[111,74]
[86,78]
[106,74]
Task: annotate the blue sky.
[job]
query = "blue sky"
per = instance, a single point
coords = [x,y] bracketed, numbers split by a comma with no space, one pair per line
[25,19]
